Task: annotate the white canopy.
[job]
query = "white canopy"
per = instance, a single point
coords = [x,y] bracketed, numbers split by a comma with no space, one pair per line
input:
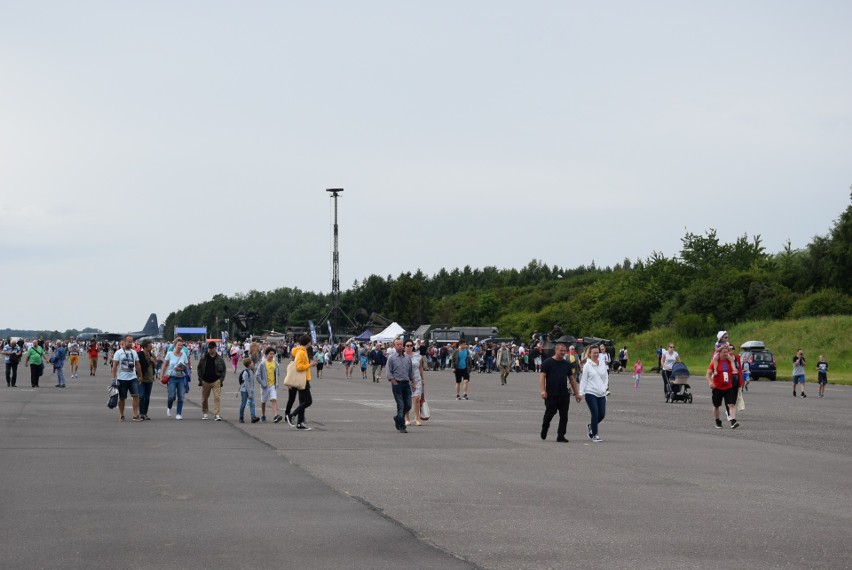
[389,334]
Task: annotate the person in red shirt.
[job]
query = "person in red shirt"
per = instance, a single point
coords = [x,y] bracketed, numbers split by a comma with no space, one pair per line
[93,358]
[723,378]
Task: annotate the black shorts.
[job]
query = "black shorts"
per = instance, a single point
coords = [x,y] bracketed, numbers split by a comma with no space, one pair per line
[729,395]
[125,386]
[462,374]
[319,366]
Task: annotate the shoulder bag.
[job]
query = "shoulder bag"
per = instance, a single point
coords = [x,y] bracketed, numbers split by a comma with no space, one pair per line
[424,409]
[294,378]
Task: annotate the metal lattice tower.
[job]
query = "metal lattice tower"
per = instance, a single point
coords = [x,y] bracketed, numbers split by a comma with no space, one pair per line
[335,312]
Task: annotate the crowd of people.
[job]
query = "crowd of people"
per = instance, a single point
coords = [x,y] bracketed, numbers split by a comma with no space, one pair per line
[565,375]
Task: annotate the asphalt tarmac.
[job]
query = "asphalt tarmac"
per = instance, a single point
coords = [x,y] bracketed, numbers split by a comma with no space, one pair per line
[475,487]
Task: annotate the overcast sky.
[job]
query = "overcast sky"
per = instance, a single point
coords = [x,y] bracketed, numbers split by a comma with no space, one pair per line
[154,154]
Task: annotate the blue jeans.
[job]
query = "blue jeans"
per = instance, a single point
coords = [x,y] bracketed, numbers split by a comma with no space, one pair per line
[597,406]
[489,363]
[176,391]
[145,397]
[243,399]
[402,395]
[60,376]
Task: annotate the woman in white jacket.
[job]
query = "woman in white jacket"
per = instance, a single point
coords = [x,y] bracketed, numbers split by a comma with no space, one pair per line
[594,382]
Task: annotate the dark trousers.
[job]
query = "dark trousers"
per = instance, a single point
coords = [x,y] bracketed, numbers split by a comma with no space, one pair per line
[402,395]
[597,407]
[291,398]
[553,404]
[35,373]
[666,388]
[305,400]
[11,374]
[145,396]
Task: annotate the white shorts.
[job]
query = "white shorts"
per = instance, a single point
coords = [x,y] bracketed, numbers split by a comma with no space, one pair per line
[269,393]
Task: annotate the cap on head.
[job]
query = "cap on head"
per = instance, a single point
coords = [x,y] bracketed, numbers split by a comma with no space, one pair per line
[211,345]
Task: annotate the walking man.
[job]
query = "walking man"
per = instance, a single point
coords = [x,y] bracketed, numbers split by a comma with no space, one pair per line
[74,357]
[461,365]
[211,371]
[93,358]
[799,372]
[556,374]
[400,375]
[724,384]
[504,361]
[126,371]
[377,361]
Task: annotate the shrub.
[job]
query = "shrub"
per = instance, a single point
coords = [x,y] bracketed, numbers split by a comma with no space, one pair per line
[694,325]
[825,302]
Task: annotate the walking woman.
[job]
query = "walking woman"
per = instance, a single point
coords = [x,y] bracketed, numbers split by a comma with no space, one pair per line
[35,360]
[417,389]
[300,355]
[147,361]
[594,383]
[667,360]
[175,366]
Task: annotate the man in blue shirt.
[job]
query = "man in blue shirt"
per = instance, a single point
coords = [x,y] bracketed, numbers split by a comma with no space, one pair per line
[461,364]
[400,375]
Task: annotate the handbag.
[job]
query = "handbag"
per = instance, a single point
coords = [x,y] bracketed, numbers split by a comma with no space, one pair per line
[112,395]
[164,379]
[424,409]
[294,378]
[740,402]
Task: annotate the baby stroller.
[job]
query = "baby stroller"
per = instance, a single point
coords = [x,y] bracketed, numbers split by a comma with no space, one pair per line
[677,384]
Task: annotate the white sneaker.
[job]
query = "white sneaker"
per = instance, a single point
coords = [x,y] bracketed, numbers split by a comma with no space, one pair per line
[597,439]
[178,417]
[204,416]
[217,419]
[168,412]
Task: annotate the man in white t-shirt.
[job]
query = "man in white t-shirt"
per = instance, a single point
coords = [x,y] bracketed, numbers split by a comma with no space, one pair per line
[126,371]
[74,356]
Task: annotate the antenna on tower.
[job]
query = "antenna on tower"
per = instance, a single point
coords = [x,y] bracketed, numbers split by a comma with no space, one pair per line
[335,312]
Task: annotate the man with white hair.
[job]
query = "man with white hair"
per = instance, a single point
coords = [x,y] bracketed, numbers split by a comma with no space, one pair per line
[504,361]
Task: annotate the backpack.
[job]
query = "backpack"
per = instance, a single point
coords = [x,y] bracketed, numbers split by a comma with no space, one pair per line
[242,376]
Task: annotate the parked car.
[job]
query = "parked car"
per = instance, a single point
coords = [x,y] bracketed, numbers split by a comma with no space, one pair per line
[760,360]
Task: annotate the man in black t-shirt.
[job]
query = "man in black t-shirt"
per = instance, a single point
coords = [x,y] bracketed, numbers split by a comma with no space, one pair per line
[556,373]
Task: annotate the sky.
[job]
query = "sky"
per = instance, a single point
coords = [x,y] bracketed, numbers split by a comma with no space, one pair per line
[154,154]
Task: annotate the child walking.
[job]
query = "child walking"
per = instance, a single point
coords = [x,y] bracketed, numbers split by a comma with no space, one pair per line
[637,372]
[247,391]
[363,360]
[822,375]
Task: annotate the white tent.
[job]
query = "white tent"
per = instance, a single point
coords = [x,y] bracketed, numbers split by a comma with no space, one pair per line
[389,334]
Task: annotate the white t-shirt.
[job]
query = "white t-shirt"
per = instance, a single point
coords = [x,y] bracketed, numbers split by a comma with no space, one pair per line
[669,359]
[172,360]
[127,360]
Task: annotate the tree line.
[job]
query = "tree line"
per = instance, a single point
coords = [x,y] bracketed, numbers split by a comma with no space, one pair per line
[709,284]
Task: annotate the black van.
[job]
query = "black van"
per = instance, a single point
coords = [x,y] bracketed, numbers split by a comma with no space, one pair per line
[761,361]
